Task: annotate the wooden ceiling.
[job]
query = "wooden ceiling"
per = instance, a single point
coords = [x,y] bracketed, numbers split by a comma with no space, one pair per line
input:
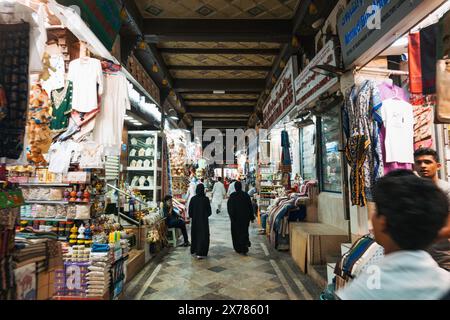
[236,46]
[218,9]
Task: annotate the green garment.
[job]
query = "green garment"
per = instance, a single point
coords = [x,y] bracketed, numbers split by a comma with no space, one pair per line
[61,107]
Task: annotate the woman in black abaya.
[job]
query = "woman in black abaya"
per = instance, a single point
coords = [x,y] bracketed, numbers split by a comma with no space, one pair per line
[199,211]
[240,209]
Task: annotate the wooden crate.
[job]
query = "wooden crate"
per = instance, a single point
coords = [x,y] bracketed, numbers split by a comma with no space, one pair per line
[312,243]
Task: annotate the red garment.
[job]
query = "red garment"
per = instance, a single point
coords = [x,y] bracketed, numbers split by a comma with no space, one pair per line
[414,61]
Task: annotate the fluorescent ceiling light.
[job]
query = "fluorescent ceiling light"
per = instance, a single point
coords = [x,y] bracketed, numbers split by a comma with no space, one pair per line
[219,91]
[138,124]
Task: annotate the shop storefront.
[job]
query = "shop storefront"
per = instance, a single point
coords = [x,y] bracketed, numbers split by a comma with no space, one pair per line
[68,127]
[328,105]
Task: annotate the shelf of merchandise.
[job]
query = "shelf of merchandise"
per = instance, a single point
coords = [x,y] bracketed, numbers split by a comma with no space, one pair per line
[55,202]
[49,219]
[45,184]
[152,171]
[44,219]
[147,188]
[140,169]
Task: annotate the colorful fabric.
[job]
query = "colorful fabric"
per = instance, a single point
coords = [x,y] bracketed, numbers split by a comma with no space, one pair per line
[414,63]
[362,117]
[356,152]
[61,100]
[428,38]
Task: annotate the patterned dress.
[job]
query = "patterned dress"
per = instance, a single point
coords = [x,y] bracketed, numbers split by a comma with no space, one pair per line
[362,128]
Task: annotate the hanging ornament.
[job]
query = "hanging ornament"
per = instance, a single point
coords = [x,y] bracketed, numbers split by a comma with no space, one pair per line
[282,64]
[142,45]
[274,80]
[165,82]
[172,93]
[295,42]
[155,68]
[312,9]
[124,14]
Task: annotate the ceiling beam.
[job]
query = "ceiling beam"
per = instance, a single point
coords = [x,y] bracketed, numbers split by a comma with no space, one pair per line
[186,85]
[286,50]
[210,117]
[187,100]
[264,52]
[226,92]
[220,109]
[220,68]
[224,124]
[219,30]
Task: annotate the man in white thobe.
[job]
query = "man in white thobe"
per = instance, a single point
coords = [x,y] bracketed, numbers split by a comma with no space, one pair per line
[218,195]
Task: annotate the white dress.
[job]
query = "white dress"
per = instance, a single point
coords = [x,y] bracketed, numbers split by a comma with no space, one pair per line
[85,73]
[109,122]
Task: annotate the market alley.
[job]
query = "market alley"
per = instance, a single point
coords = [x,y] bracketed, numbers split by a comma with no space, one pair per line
[224,275]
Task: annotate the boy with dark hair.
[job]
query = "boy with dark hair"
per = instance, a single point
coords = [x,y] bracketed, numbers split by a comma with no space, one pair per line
[427,166]
[410,213]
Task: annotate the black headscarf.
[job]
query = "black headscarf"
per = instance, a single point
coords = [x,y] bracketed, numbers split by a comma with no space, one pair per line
[200,191]
[238,186]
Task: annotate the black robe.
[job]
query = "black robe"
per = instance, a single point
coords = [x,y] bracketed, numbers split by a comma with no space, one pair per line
[199,212]
[240,209]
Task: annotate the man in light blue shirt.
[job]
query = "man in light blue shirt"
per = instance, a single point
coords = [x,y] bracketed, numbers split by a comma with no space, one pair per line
[410,213]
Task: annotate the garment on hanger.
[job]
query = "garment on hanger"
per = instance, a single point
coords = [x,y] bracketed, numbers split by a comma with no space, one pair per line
[443,91]
[61,100]
[115,103]
[422,58]
[85,74]
[443,43]
[391,91]
[362,118]
[57,75]
[91,155]
[398,119]
[17,13]
[39,134]
[60,155]
[14,77]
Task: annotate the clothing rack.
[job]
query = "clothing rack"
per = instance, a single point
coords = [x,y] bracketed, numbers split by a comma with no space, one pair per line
[382,71]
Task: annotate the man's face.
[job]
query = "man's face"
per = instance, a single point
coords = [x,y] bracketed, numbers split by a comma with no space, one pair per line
[427,166]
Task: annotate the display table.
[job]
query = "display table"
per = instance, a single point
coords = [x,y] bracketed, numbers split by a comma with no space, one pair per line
[312,243]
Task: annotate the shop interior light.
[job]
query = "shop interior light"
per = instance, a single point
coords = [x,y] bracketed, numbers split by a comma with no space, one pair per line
[219,91]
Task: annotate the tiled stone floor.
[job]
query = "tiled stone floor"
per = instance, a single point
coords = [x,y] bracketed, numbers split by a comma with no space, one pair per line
[224,275]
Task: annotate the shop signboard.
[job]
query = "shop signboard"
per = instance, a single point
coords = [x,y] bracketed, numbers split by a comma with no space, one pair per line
[309,85]
[102,16]
[282,98]
[367,27]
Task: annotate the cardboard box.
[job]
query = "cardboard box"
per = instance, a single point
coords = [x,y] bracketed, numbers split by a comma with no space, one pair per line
[312,243]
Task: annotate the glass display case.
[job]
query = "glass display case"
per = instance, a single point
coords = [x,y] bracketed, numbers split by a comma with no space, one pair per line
[308,153]
[331,177]
[144,170]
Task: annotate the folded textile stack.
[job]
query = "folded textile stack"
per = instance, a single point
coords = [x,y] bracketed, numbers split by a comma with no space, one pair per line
[29,249]
[99,275]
